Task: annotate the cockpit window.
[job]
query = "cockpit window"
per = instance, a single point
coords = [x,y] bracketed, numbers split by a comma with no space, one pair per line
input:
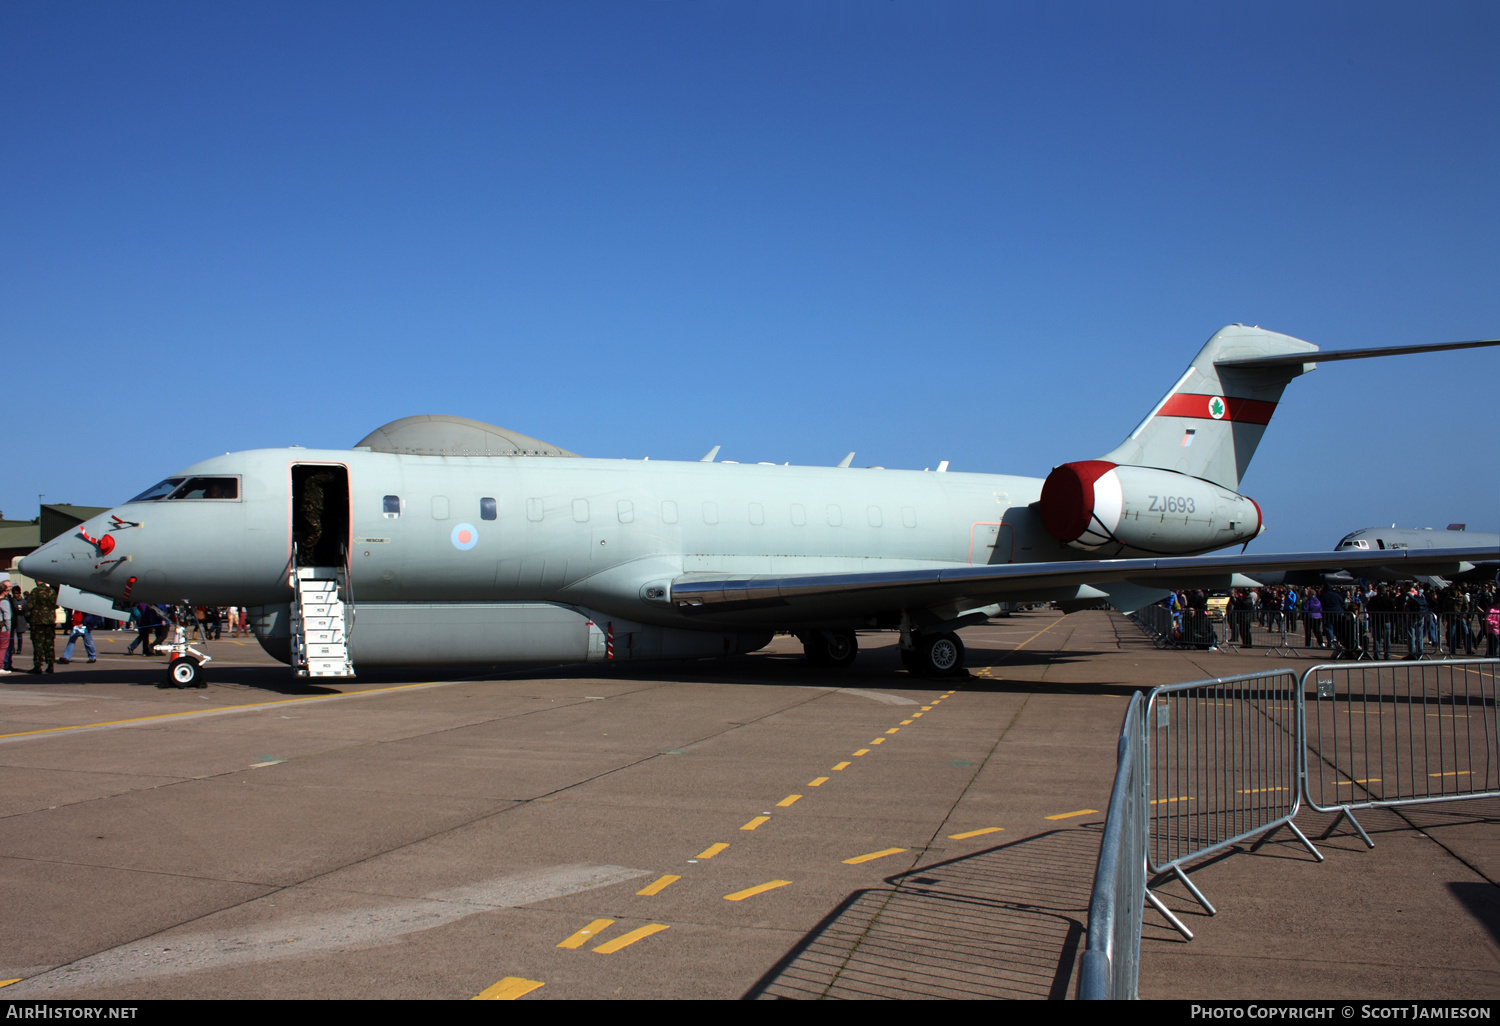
[208,488]
[160,490]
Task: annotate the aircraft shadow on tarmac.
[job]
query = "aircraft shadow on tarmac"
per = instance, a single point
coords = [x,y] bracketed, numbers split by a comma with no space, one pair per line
[1009,921]
[1482,903]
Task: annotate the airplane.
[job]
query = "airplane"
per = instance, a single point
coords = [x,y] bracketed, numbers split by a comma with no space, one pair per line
[443,541]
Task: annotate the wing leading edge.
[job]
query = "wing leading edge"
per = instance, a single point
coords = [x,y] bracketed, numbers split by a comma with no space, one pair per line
[764,599]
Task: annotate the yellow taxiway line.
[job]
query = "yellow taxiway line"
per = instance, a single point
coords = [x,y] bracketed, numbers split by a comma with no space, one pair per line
[750,892]
[508,989]
[627,939]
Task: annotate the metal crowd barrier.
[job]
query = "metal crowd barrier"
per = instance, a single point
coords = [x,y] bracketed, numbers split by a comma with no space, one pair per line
[1404,733]
[1222,767]
[1347,634]
[1192,628]
[1111,963]
[1207,764]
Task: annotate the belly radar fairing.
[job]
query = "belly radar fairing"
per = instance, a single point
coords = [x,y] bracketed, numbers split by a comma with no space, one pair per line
[445,541]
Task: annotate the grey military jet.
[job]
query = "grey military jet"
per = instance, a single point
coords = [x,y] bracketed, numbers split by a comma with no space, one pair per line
[443,541]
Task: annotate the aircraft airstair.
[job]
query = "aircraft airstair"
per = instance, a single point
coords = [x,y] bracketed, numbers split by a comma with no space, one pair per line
[319,647]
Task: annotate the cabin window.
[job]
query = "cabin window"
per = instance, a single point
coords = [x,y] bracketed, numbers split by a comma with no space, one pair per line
[835,516]
[874,516]
[710,512]
[625,510]
[799,514]
[669,512]
[160,490]
[487,510]
[208,488]
[757,513]
[908,516]
[390,506]
[534,510]
[581,511]
[440,507]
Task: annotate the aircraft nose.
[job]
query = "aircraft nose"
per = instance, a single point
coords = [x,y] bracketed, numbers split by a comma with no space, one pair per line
[66,559]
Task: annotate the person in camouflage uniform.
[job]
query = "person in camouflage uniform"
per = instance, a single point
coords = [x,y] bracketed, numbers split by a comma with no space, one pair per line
[43,629]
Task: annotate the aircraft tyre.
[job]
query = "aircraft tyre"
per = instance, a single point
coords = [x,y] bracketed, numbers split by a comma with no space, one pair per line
[183,673]
[830,648]
[840,647]
[941,655]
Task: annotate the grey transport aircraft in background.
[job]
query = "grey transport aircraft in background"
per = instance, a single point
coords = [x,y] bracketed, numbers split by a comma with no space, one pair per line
[443,541]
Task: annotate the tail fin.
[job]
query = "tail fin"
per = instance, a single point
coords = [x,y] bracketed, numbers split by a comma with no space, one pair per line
[1210,423]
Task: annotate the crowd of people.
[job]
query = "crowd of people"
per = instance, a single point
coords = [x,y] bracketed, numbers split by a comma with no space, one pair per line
[1352,621]
[34,612]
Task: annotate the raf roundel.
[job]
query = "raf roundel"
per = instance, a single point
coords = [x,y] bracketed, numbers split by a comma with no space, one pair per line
[465,537]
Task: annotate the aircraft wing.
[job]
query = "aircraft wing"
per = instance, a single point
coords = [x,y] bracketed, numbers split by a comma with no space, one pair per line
[766,599]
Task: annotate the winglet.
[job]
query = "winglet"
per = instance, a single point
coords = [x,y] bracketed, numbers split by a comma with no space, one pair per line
[847,460]
[709,458]
[943,467]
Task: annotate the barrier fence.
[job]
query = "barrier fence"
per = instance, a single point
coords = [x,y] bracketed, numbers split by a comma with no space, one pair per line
[1222,764]
[1343,634]
[1381,734]
[1208,764]
[1111,962]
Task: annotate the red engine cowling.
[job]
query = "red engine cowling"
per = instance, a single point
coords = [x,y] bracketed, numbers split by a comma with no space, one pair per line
[1095,504]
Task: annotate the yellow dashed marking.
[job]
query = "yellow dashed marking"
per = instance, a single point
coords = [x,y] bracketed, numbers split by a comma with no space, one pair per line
[862,751]
[588,933]
[1455,773]
[219,709]
[843,765]
[927,708]
[508,989]
[906,723]
[1351,783]
[1070,815]
[711,851]
[974,833]
[817,782]
[873,856]
[914,716]
[757,821]
[1263,790]
[788,801]
[1163,801]
[751,892]
[627,939]
[661,884]
[877,741]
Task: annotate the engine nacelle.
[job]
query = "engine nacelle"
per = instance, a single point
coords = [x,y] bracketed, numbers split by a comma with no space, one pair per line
[1092,504]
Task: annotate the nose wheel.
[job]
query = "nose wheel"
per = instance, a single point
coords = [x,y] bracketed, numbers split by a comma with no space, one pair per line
[183,672]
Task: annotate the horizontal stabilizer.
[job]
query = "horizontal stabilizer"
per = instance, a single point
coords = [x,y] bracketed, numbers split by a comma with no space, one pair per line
[1324,355]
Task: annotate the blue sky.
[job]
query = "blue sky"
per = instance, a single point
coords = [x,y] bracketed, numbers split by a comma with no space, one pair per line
[988,233]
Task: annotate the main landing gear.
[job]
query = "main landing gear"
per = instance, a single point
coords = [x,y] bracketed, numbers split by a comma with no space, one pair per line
[830,648]
[934,655]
